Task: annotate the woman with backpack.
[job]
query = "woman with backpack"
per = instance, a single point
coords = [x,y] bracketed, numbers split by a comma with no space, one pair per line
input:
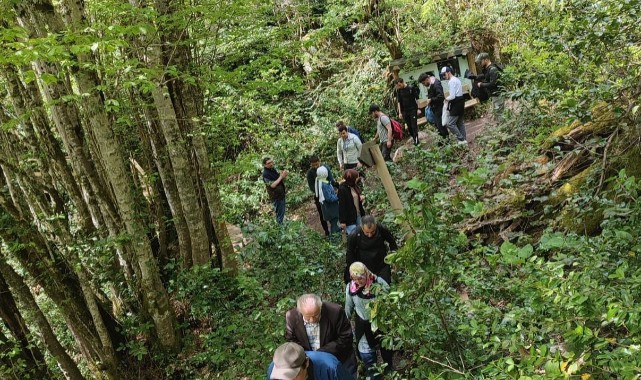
[328,199]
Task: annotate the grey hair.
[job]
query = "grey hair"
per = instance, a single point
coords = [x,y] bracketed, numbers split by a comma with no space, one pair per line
[307,299]
[368,220]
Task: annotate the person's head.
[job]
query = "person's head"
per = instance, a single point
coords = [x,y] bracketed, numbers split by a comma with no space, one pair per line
[399,83]
[368,225]
[268,162]
[314,162]
[483,59]
[342,131]
[447,72]
[321,172]
[290,362]
[424,79]
[350,176]
[359,273]
[374,110]
[309,306]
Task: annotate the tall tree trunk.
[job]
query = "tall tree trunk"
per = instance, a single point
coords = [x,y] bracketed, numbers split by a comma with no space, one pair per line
[49,339]
[15,323]
[37,123]
[154,295]
[165,171]
[187,101]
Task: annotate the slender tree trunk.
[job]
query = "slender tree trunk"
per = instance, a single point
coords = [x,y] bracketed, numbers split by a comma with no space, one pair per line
[49,339]
[153,292]
[165,171]
[15,323]
[184,174]
[187,101]
[38,123]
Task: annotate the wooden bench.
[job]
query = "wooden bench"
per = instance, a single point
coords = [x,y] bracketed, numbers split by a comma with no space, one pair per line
[422,103]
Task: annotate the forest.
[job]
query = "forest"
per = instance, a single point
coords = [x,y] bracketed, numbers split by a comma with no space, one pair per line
[137,240]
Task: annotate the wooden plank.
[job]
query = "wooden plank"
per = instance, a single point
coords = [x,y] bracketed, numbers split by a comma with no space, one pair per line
[386,179]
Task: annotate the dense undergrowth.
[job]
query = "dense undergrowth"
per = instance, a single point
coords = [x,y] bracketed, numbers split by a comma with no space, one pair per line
[512,271]
[523,260]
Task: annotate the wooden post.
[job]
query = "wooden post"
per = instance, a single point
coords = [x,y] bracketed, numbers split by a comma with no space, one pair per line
[386,178]
[371,156]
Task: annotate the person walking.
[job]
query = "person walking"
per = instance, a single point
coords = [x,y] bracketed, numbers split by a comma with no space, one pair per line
[362,289]
[455,104]
[292,362]
[435,99]
[370,244]
[348,149]
[350,201]
[383,131]
[327,198]
[275,184]
[407,106]
[315,163]
[321,326]
[490,83]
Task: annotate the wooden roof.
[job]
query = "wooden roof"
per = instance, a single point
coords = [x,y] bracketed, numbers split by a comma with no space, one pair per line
[430,57]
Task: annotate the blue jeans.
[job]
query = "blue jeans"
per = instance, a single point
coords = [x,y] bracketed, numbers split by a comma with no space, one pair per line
[369,360]
[279,208]
[352,227]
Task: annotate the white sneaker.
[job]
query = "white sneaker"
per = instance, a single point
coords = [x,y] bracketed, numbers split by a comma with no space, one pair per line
[463,142]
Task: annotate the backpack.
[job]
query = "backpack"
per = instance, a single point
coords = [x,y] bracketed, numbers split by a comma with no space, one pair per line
[355,132]
[397,130]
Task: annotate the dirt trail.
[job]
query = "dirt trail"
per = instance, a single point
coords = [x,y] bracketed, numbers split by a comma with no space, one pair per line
[473,128]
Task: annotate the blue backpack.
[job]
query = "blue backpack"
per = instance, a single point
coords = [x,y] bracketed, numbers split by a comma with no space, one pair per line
[354,131]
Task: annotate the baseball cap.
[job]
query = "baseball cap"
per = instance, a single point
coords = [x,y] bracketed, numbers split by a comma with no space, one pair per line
[289,358]
[446,69]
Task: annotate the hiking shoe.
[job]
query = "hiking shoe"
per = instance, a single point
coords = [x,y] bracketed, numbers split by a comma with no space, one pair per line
[462,142]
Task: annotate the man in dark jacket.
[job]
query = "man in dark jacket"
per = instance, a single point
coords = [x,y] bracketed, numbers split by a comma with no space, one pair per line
[314,163]
[407,103]
[321,326]
[435,98]
[275,184]
[367,245]
[490,83]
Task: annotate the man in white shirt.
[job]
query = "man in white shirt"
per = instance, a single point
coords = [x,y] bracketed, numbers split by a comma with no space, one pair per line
[348,149]
[455,104]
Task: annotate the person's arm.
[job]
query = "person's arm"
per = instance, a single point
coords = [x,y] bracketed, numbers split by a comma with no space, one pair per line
[350,257]
[330,177]
[342,204]
[330,195]
[311,176]
[451,96]
[398,104]
[359,145]
[280,179]
[290,323]
[349,303]
[339,153]
[344,336]
[492,77]
[388,237]
[390,137]
[438,88]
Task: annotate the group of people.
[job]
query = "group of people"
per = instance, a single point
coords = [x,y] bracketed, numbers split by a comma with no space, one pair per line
[319,336]
[448,111]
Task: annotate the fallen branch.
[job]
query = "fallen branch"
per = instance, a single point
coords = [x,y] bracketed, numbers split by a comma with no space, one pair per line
[605,158]
[443,365]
